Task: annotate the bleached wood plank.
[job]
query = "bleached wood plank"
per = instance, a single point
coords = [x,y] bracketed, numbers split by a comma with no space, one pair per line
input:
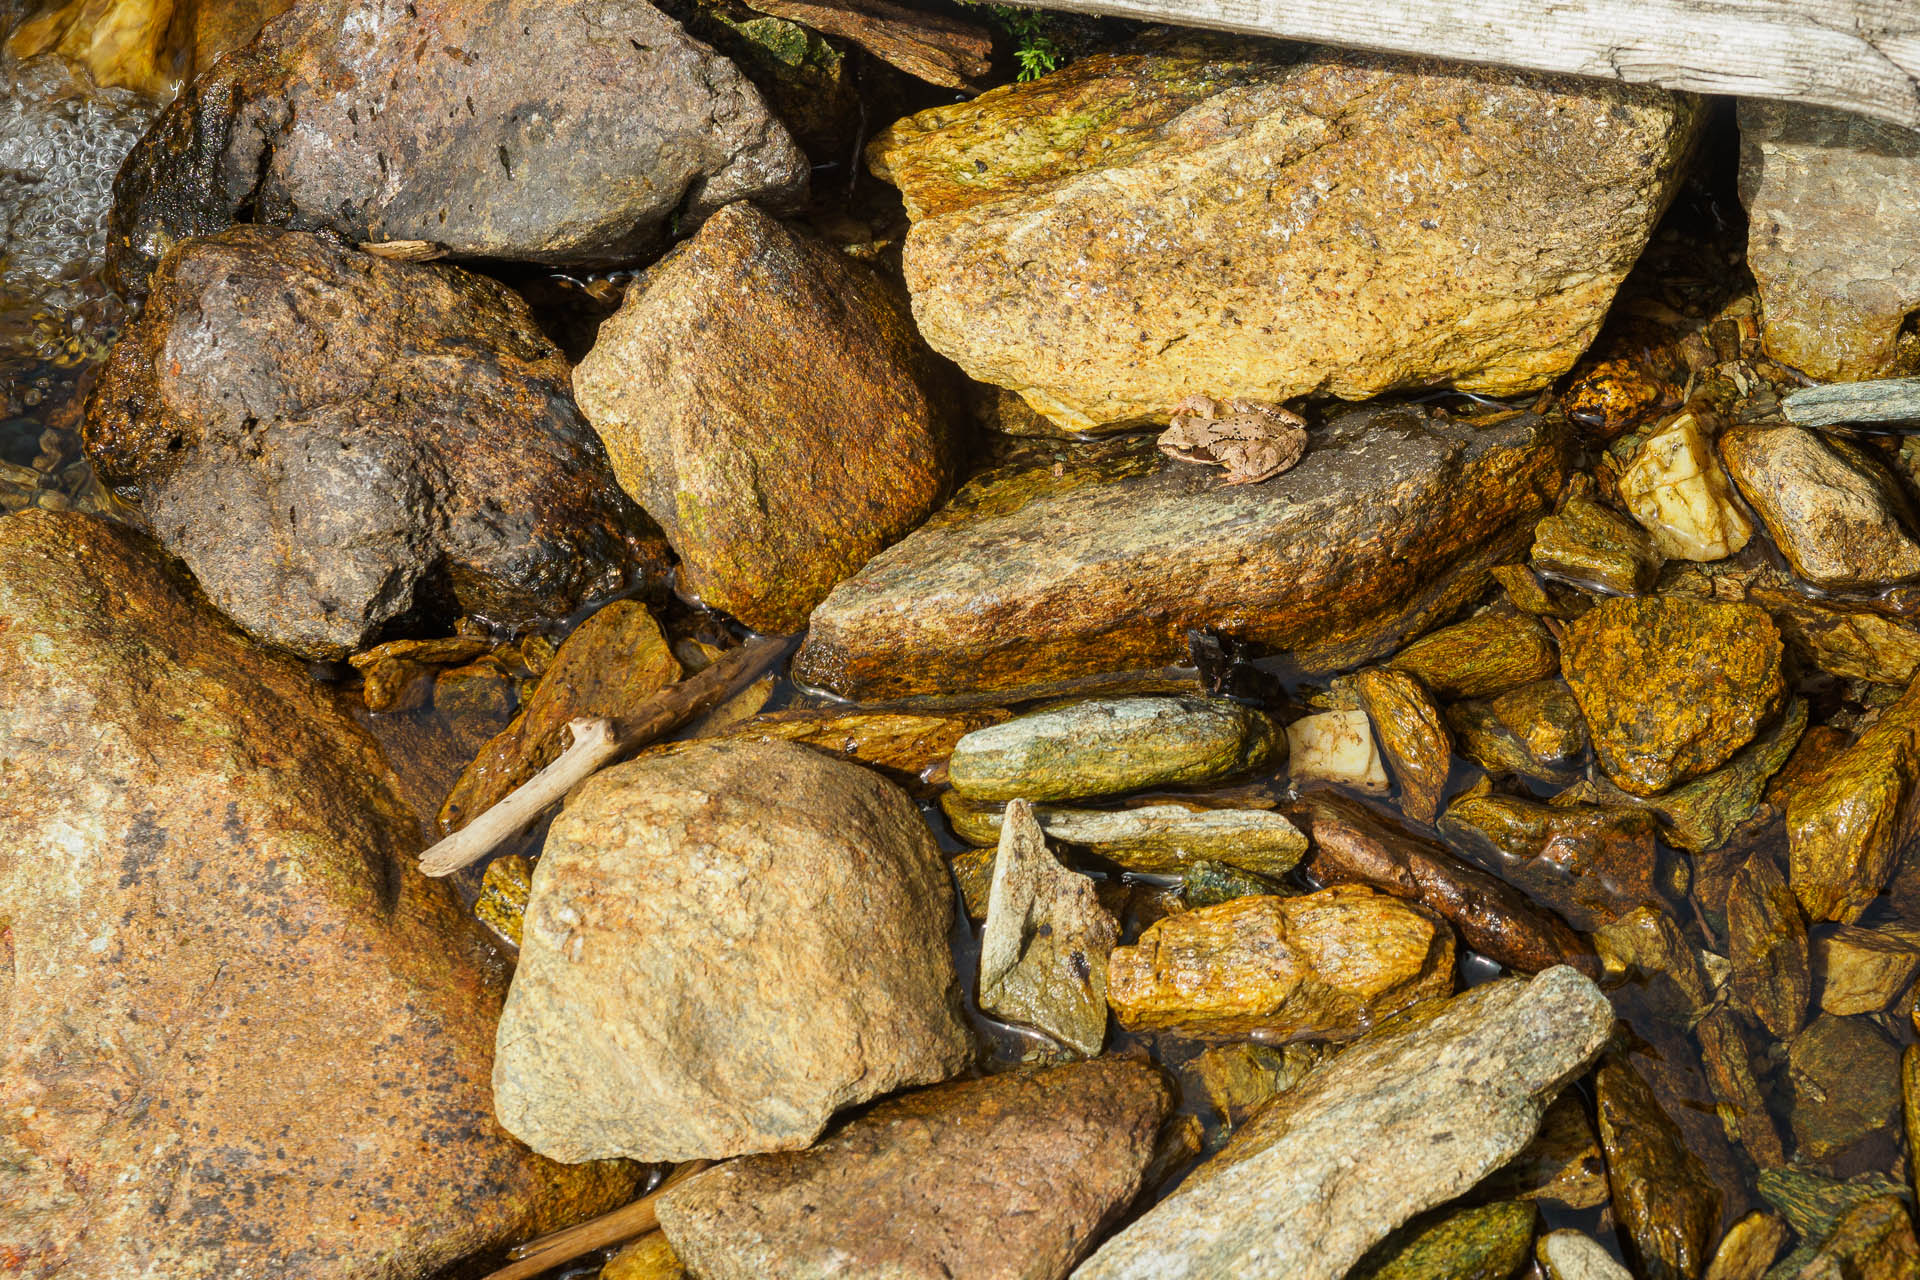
[1859,55]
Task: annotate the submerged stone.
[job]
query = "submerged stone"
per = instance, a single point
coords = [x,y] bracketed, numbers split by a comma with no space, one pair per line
[766,399]
[1032,204]
[1411,1115]
[1767,947]
[1158,839]
[1589,863]
[1105,746]
[1413,736]
[1325,965]
[1337,747]
[691,910]
[1665,1205]
[1486,654]
[1592,545]
[1843,1080]
[1534,731]
[1012,1177]
[1865,970]
[1848,822]
[1485,1242]
[208,852]
[1028,578]
[1672,687]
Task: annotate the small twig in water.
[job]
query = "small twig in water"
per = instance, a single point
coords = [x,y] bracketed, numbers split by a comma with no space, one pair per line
[559,1247]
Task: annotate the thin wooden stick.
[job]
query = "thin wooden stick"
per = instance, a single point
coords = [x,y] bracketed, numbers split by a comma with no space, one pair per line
[597,743]
[550,1251]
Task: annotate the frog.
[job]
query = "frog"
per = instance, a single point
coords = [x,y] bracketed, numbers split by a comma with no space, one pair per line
[1252,440]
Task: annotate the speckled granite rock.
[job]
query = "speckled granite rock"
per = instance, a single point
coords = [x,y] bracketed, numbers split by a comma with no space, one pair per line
[682,989]
[1405,1119]
[1833,237]
[329,439]
[248,1017]
[573,132]
[1006,1178]
[766,399]
[1240,219]
[1027,577]
[1672,687]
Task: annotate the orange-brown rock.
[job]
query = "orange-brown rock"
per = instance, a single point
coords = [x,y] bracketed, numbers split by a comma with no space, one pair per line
[243,1038]
[767,400]
[1325,966]
[1847,824]
[1029,577]
[1246,220]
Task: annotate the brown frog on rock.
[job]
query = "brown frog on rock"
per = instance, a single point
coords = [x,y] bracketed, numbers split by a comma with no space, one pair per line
[1253,441]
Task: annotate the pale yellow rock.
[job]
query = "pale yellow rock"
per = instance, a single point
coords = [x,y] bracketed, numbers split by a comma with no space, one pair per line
[1675,488]
[1572,1255]
[1864,970]
[1336,746]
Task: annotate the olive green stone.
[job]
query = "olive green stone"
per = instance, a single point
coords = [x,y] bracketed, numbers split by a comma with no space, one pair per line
[973,872]
[1486,654]
[1593,545]
[1486,1242]
[1847,824]
[1207,884]
[1237,1079]
[1872,1241]
[1702,815]
[1812,1204]
[1767,947]
[1481,736]
[1663,1201]
[1672,687]
[1589,863]
[1106,746]
[1412,736]
[1843,1078]
[1748,1247]
[1157,839]
[1562,1165]
[504,889]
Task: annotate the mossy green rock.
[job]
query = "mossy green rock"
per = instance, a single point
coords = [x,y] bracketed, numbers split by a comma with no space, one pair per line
[1105,746]
[1847,824]
[1486,1242]
[1590,863]
[1158,839]
[1596,546]
[208,851]
[1032,577]
[1672,687]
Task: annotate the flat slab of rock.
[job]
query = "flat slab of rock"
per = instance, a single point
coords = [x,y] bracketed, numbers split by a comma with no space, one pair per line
[329,440]
[1006,1178]
[766,399]
[563,133]
[1407,1118]
[242,1021]
[1386,526]
[687,982]
[1159,839]
[1833,236]
[1883,400]
[1245,221]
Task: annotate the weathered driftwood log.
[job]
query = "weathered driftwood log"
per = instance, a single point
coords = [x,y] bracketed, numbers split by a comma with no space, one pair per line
[1885,400]
[1859,55]
[596,744]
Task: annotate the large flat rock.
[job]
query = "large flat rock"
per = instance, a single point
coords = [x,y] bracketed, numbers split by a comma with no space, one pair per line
[243,1038]
[1030,577]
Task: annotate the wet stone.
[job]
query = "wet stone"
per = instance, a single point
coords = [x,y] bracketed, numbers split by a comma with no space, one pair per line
[1482,656]
[1871,1241]
[1238,1079]
[1208,884]
[751,322]
[1012,1177]
[1157,839]
[1398,1123]
[1748,1248]
[1562,1166]
[1323,966]
[1675,487]
[1413,737]
[1847,822]
[1043,951]
[1835,512]
[1854,644]
[1570,1255]
[1030,579]
[1843,1078]
[504,889]
[1486,1242]
[1338,747]
[1589,863]
[906,745]
[1665,1205]
[1864,970]
[1767,946]
[1592,545]
[1106,746]
[1672,687]
[650,1257]
[1728,1060]
[689,910]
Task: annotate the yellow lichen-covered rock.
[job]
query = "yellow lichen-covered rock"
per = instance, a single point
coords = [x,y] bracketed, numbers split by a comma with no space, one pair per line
[1847,824]
[1675,488]
[1239,220]
[1324,966]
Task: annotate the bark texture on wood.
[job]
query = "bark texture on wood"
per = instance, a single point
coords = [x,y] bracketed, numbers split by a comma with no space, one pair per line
[1858,55]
